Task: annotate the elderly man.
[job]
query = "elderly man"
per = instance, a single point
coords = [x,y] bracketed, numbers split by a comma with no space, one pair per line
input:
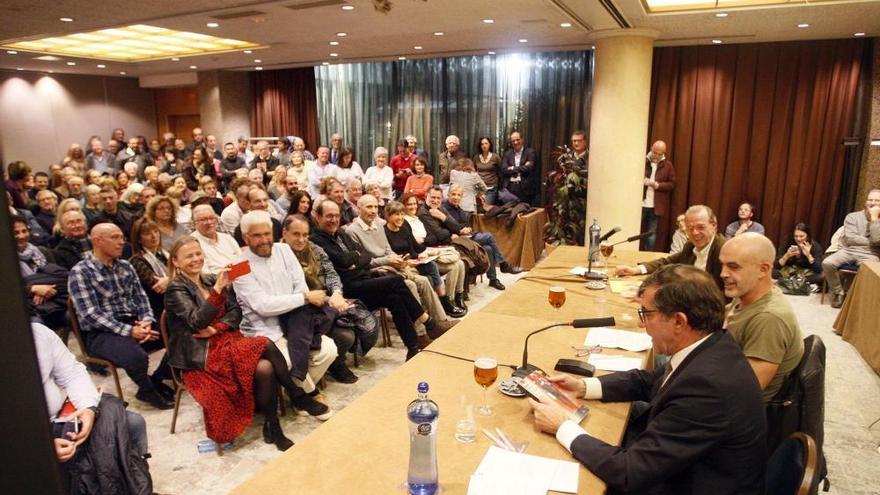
[277,304]
[47,205]
[300,145]
[335,147]
[701,250]
[353,192]
[74,243]
[519,169]
[320,169]
[759,318]
[115,316]
[99,159]
[75,189]
[258,200]
[231,216]
[337,195]
[220,249]
[860,242]
[704,431]
[264,160]
[371,236]
[452,207]
[134,154]
[110,211]
[744,223]
[449,158]
[657,189]
[353,265]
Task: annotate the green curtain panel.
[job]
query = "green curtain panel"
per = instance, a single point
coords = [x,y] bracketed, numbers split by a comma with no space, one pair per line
[544,95]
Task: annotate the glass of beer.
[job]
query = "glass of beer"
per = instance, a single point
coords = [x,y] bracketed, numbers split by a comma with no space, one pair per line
[605,250]
[556,297]
[485,373]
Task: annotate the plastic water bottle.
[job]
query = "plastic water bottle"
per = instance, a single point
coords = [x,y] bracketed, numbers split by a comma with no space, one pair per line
[595,234]
[423,472]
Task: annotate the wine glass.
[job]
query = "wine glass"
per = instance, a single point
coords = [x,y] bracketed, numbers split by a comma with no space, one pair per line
[556,297]
[485,373]
[605,250]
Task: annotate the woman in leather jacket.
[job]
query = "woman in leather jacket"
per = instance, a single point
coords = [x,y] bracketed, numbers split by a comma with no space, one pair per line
[225,371]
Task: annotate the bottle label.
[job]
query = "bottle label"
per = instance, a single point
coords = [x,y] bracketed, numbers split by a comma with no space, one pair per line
[424,429]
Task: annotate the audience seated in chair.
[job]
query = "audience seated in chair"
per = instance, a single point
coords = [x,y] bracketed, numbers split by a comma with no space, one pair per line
[860,242]
[150,261]
[276,303]
[219,249]
[110,211]
[74,242]
[744,222]
[115,316]
[800,255]
[45,283]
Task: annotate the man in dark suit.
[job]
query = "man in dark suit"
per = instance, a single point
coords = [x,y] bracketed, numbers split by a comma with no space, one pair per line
[701,250]
[704,429]
[656,195]
[519,169]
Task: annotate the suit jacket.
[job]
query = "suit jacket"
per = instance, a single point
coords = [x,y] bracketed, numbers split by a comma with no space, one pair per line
[687,257]
[447,163]
[704,432]
[523,180]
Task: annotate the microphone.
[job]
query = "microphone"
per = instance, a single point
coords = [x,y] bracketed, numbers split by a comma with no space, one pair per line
[637,237]
[527,368]
[616,229]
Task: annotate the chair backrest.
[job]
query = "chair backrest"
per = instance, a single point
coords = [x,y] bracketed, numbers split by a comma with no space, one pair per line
[163,331]
[74,327]
[792,469]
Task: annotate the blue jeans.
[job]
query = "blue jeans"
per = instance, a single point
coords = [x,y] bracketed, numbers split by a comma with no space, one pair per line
[649,224]
[487,240]
[431,271]
[491,195]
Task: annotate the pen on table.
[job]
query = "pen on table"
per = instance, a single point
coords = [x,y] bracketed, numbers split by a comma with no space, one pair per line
[492,437]
[506,440]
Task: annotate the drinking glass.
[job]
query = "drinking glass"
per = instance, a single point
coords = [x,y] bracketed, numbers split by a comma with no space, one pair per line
[605,250]
[556,297]
[485,373]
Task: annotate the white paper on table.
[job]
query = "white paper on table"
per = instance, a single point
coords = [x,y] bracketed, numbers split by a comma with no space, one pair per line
[531,474]
[578,270]
[620,339]
[614,362]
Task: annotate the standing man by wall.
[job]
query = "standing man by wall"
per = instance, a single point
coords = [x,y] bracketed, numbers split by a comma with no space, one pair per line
[658,185]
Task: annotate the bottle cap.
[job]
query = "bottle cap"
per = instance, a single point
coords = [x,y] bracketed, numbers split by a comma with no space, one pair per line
[423,387]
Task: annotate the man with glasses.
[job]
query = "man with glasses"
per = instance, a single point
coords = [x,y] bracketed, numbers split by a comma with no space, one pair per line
[220,249]
[860,242]
[701,250]
[705,429]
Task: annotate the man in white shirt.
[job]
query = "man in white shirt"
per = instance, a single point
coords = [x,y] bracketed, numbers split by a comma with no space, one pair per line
[231,216]
[320,169]
[701,250]
[704,430]
[277,304]
[220,249]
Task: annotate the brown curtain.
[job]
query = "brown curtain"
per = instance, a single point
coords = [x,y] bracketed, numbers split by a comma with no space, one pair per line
[762,123]
[285,104]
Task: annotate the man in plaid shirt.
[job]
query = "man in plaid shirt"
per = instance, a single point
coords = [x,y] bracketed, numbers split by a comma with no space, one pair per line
[115,316]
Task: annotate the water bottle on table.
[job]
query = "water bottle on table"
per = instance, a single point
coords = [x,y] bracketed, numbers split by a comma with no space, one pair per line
[423,473]
[595,235]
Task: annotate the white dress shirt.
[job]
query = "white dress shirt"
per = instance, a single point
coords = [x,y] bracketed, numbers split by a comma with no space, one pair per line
[219,253]
[569,430]
[316,172]
[703,255]
[62,375]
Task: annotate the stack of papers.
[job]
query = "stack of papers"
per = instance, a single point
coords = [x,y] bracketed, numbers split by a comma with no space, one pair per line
[613,362]
[618,339]
[512,473]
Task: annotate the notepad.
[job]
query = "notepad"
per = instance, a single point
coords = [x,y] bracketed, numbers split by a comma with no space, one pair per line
[614,362]
[609,338]
[502,471]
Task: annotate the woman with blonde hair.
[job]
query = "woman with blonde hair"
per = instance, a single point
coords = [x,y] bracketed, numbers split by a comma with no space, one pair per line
[75,158]
[299,168]
[163,211]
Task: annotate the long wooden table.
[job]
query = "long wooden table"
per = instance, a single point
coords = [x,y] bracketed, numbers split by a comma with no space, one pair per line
[858,321]
[364,448]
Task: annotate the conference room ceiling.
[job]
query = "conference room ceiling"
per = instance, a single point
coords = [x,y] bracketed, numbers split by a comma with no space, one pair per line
[296,33]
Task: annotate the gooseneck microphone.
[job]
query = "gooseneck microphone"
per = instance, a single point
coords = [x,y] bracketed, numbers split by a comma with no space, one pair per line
[616,229]
[637,237]
[527,368]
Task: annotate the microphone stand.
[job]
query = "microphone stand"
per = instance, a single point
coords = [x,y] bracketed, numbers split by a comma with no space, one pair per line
[527,368]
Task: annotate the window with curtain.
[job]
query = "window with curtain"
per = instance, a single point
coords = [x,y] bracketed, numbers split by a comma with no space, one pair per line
[546,96]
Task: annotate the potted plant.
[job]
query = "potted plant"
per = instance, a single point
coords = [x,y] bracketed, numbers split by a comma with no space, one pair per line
[566,187]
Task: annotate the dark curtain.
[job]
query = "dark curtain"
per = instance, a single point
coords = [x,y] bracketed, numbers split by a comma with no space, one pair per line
[285,105]
[762,123]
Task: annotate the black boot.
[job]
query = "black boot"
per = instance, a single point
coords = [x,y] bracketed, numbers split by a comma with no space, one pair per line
[340,371]
[459,301]
[508,268]
[272,433]
[411,352]
[451,310]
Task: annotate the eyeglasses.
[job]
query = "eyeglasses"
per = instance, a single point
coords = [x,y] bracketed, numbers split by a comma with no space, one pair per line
[643,314]
[206,220]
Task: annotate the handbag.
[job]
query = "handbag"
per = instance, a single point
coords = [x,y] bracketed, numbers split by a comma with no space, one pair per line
[793,281]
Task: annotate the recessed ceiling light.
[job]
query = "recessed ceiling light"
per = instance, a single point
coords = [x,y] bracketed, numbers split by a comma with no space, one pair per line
[71,63]
[803,25]
[13,52]
[212,25]
[334,43]
[565,25]
[488,21]
[342,35]
[334,54]
[325,63]
[248,51]
[401,58]
[51,72]
[717,42]
[491,53]
[193,66]
[348,7]
[122,73]
[257,61]
[258,68]
[523,40]
[102,66]
[19,68]
[175,59]
[721,14]
[859,34]
[439,33]
[65,19]
[417,47]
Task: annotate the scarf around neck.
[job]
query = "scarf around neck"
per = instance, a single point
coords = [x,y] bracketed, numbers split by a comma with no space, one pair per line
[31,259]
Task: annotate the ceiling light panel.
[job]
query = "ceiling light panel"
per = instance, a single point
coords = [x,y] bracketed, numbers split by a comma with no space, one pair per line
[132,44]
[663,6]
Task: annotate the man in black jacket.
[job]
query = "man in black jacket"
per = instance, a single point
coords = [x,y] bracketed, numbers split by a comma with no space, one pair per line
[352,263]
[519,169]
[704,429]
[74,243]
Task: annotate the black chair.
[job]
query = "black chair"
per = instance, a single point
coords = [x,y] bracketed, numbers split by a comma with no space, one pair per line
[791,470]
[847,273]
[799,406]
[91,360]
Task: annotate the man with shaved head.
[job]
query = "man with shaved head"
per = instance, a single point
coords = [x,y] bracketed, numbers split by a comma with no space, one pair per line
[760,318]
[656,194]
[115,316]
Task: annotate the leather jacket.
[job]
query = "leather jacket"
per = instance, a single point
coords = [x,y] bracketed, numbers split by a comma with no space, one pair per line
[187,312]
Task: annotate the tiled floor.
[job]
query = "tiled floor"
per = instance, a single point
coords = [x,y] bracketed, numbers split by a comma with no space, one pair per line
[852,403]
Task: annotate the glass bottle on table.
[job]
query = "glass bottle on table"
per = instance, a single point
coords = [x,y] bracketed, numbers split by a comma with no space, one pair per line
[485,374]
